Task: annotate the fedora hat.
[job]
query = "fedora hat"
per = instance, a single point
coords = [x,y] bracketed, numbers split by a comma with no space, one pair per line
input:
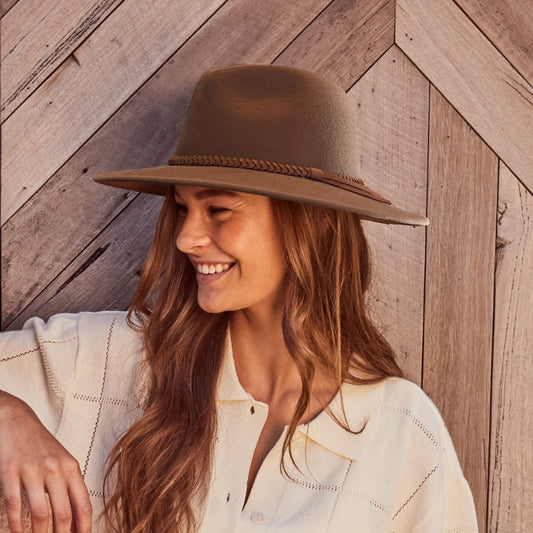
[272,130]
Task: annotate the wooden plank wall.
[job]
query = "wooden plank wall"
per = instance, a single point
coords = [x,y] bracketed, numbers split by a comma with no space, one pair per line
[443,96]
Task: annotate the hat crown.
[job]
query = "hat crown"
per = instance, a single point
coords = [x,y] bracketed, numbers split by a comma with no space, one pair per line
[272,113]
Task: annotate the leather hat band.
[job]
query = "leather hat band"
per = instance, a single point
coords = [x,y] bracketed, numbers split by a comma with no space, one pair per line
[348,183]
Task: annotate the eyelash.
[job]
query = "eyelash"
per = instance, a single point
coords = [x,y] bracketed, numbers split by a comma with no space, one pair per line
[213,210]
[217,210]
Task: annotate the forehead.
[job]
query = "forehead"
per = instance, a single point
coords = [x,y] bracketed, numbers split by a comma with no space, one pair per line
[202,193]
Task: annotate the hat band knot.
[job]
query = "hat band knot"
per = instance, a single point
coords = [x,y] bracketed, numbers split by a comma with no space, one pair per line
[348,183]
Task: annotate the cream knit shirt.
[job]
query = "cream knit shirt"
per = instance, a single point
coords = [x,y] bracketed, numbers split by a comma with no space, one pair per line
[397,472]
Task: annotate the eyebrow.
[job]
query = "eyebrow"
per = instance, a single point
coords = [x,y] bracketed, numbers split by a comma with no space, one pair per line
[211,193]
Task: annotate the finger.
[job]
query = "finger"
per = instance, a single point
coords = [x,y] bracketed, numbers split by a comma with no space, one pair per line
[60,504]
[39,507]
[81,505]
[13,502]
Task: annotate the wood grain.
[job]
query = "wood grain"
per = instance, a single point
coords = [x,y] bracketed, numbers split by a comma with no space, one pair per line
[107,270]
[462,192]
[511,482]
[142,133]
[473,76]
[365,29]
[36,37]
[391,103]
[86,89]
[6,5]
[508,24]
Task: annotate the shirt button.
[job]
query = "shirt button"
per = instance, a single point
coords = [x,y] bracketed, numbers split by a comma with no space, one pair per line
[257,518]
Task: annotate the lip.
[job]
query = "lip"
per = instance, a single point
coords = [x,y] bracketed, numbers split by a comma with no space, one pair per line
[206,279]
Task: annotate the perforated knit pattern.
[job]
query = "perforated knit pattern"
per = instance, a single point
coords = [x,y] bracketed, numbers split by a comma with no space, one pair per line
[334,487]
[406,412]
[413,494]
[109,334]
[17,355]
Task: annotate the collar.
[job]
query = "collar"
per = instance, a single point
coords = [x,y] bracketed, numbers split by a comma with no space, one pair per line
[357,408]
[361,412]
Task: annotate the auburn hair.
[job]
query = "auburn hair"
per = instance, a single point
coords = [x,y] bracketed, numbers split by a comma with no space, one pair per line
[158,473]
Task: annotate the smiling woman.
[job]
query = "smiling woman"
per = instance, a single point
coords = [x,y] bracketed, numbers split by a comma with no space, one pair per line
[247,384]
[231,239]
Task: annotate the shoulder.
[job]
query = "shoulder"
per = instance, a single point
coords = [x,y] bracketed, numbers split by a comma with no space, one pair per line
[409,449]
[398,410]
[407,403]
[73,325]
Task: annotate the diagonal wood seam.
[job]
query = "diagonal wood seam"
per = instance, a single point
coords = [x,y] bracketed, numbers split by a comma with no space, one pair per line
[519,92]
[24,88]
[32,117]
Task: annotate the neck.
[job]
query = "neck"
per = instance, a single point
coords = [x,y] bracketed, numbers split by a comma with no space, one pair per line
[262,360]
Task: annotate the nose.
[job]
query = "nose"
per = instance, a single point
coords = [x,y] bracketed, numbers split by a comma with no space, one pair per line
[192,233]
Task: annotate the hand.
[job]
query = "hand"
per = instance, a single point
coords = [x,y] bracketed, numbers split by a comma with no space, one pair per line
[31,459]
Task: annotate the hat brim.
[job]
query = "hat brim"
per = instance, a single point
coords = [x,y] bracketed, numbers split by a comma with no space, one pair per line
[156,180]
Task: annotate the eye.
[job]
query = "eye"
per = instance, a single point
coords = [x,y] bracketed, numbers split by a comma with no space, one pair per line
[217,210]
[181,209]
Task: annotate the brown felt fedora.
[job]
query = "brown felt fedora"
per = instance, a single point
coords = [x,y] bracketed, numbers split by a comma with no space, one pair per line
[277,131]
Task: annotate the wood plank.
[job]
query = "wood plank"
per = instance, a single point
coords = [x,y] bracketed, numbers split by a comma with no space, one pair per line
[462,191]
[142,133]
[36,37]
[368,26]
[511,483]
[473,76]
[6,5]
[391,101]
[508,24]
[106,271]
[88,87]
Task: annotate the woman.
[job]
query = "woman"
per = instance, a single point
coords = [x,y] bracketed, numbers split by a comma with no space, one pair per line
[248,388]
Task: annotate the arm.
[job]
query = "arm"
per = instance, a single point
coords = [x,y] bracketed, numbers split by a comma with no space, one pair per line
[31,459]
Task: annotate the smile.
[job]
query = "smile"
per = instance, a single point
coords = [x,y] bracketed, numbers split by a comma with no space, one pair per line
[212,268]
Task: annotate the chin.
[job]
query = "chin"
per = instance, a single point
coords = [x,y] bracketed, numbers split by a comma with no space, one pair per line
[212,307]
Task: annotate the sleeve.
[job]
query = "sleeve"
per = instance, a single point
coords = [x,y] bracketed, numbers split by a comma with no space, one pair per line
[433,495]
[456,512]
[37,364]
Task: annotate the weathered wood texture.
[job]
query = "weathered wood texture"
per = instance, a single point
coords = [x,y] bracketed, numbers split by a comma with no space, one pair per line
[110,91]
[36,37]
[473,76]
[462,197]
[6,5]
[511,489]
[88,87]
[344,40]
[507,24]
[391,103]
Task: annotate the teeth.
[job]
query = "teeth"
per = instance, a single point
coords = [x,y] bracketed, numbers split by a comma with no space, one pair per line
[205,268]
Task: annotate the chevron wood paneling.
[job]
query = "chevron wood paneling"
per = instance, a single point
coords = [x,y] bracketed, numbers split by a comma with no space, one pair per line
[392,105]
[473,76]
[462,199]
[444,102]
[511,458]
[507,25]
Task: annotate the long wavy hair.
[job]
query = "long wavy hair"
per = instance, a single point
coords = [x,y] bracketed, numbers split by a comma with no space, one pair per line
[159,472]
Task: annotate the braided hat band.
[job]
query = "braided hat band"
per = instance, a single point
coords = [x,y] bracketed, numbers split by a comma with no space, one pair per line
[347,183]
